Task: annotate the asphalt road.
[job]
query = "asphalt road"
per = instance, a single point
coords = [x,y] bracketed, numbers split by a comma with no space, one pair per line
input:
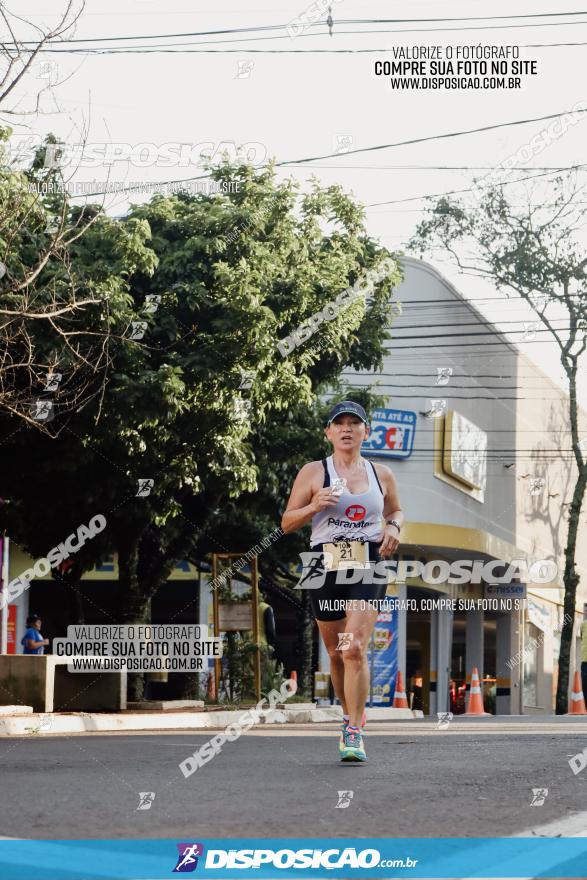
[471,780]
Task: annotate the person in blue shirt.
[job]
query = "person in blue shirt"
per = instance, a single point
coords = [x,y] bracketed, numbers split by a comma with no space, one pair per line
[33,641]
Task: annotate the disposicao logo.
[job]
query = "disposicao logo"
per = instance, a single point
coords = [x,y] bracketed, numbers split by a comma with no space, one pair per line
[328,859]
[187,860]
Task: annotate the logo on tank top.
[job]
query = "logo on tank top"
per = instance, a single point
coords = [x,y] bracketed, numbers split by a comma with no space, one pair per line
[355,512]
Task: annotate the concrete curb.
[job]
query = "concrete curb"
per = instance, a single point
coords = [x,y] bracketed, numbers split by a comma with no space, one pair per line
[334,713]
[88,722]
[166,705]
[16,710]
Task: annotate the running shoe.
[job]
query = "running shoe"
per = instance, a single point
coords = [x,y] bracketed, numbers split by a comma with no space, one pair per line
[353,747]
[344,727]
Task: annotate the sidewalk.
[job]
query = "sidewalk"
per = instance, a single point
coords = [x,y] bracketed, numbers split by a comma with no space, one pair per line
[22,721]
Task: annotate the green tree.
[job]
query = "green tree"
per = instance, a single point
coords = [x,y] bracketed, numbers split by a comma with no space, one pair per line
[234,274]
[54,310]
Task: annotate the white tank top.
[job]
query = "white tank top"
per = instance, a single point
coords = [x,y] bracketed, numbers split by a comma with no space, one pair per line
[354,517]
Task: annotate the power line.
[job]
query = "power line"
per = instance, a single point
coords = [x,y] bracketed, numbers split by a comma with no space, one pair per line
[423,208]
[433,362]
[487,323]
[214,33]
[452,192]
[509,351]
[473,397]
[443,137]
[248,51]
[312,24]
[510,450]
[438,317]
[423,430]
[459,345]
[451,335]
[459,29]
[409,142]
[176,48]
[437,168]
[478,300]
[524,459]
[430,312]
[472,376]
[550,45]
[446,391]
[509,346]
[432,376]
[477,380]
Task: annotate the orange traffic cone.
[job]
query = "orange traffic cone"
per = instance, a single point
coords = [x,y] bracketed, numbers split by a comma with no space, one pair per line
[399,697]
[577,700]
[475,697]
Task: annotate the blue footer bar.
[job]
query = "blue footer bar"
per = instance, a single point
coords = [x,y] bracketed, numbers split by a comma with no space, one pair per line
[223,858]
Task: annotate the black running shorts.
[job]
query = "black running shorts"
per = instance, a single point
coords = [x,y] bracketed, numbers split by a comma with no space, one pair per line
[328,600]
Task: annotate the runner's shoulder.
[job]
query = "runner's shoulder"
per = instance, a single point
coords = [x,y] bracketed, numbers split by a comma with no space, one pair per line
[311,474]
[311,469]
[383,471]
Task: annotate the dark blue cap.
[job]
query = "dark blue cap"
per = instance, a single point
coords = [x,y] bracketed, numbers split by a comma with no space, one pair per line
[347,407]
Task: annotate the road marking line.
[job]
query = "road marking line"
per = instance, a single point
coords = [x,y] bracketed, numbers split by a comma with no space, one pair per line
[571,826]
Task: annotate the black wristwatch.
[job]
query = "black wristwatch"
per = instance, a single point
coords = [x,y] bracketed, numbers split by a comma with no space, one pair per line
[394,522]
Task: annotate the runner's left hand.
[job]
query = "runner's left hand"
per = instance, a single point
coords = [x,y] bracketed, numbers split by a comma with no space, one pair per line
[390,541]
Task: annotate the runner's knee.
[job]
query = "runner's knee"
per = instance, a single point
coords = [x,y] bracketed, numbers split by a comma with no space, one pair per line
[355,652]
[334,653]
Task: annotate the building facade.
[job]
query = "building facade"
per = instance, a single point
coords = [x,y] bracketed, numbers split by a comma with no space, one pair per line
[479,441]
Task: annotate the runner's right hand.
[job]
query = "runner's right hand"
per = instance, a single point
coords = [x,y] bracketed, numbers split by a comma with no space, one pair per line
[323,499]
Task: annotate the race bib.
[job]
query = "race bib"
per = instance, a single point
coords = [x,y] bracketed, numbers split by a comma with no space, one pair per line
[345,554]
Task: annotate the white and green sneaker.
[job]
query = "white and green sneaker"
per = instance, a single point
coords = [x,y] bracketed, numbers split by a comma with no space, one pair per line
[353,749]
[345,724]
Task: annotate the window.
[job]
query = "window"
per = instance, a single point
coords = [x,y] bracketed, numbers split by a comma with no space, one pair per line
[532,641]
